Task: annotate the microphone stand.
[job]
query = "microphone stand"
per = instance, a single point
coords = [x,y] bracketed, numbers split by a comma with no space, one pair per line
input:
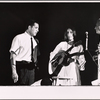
[86,41]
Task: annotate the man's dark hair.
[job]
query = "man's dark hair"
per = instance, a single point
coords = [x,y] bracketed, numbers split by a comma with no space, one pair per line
[30,23]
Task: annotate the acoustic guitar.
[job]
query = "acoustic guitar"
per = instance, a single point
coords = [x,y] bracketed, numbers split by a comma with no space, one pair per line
[63,58]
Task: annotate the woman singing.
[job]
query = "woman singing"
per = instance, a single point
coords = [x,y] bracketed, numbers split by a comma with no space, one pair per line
[73,64]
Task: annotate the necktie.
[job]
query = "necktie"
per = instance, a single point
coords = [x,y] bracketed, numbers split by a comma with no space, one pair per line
[31,49]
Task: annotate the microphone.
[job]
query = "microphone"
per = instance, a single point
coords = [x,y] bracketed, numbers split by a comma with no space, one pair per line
[86,40]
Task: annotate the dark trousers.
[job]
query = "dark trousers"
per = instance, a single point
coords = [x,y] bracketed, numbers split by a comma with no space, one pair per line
[26,73]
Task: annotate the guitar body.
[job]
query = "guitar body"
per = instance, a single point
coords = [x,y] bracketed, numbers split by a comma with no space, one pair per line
[61,59]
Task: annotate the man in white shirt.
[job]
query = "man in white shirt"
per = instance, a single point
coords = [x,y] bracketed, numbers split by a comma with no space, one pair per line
[24,52]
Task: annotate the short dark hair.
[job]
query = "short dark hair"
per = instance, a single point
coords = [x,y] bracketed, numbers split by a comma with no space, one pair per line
[98,22]
[65,34]
[31,23]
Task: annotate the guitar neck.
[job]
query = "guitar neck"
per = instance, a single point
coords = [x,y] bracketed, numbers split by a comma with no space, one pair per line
[76,53]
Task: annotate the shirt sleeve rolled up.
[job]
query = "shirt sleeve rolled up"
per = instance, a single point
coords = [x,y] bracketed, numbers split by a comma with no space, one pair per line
[15,45]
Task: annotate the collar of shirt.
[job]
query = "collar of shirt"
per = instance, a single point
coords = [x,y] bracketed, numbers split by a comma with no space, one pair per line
[34,42]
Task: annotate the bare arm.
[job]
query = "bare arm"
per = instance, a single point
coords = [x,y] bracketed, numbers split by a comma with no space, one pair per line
[13,66]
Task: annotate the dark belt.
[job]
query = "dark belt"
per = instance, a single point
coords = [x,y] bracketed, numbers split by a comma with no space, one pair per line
[24,62]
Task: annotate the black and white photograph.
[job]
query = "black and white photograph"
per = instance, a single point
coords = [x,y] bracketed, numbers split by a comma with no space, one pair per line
[50,45]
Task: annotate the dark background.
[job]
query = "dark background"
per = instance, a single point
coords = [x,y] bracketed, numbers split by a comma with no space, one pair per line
[54,18]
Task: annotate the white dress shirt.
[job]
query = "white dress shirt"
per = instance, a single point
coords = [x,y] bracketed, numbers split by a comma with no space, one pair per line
[21,46]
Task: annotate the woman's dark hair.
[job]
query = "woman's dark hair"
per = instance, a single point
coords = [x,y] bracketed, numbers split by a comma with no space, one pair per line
[66,36]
